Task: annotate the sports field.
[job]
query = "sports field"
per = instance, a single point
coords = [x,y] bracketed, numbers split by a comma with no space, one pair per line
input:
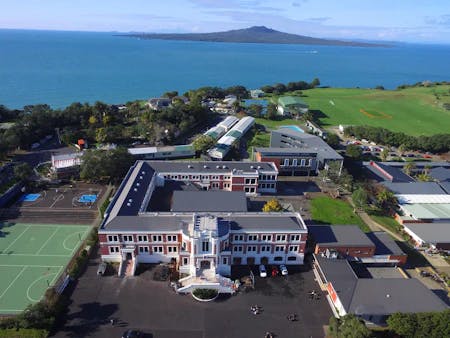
[414,111]
[32,256]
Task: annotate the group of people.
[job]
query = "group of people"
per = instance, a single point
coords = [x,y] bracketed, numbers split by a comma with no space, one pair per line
[255,309]
[314,295]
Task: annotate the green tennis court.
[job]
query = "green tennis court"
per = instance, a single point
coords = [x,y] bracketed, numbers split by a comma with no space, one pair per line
[32,257]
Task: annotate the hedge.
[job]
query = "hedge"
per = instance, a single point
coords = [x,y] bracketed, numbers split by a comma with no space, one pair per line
[23,333]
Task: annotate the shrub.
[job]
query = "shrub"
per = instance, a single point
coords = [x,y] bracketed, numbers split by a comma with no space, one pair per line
[23,333]
[205,293]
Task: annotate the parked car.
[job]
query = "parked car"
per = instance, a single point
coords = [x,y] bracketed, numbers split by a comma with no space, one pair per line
[262,271]
[101,269]
[132,334]
[284,270]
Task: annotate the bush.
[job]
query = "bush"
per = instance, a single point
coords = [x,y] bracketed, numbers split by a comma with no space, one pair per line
[23,333]
[205,293]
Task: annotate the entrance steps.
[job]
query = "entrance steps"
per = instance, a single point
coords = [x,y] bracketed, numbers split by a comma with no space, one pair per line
[127,268]
[217,282]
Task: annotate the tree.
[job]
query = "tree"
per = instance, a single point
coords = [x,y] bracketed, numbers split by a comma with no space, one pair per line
[171,94]
[22,171]
[409,167]
[379,87]
[386,199]
[333,140]
[100,135]
[255,110]
[423,177]
[360,198]
[272,205]
[428,324]
[349,326]
[384,154]
[353,151]
[315,82]
[272,113]
[202,143]
[97,165]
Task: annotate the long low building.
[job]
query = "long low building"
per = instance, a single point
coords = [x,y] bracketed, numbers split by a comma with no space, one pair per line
[436,235]
[206,242]
[297,153]
[163,153]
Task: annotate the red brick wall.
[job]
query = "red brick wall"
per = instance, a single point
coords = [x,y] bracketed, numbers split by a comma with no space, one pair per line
[102,238]
[402,259]
[104,250]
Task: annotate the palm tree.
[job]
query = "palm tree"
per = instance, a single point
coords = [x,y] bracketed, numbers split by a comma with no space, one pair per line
[409,167]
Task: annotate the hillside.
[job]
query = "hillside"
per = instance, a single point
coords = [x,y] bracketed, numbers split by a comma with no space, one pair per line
[255,34]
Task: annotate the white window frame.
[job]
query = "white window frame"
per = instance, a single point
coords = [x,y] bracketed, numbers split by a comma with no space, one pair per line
[279,248]
[293,248]
[113,238]
[280,238]
[295,238]
[172,249]
[158,249]
[207,244]
[143,250]
[185,260]
[237,248]
[157,238]
[294,162]
[224,260]
[266,238]
[286,162]
[302,162]
[265,248]
[172,238]
[251,248]
[113,250]
[142,238]
[238,238]
[126,238]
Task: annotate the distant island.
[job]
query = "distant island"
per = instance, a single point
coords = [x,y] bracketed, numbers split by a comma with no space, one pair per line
[255,34]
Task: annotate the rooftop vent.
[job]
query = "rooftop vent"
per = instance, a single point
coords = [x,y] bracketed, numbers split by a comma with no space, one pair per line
[140,177]
[205,166]
[135,189]
[138,184]
[217,166]
[128,204]
[252,167]
[130,200]
[143,172]
[190,166]
[224,167]
[259,167]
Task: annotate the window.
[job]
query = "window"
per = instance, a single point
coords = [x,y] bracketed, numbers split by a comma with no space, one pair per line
[295,237]
[205,246]
[205,177]
[250,181]
[266,237]
[279,248]
[293,248]
[172,249]
[286,161]
[309,162]
[251,248]
[238,237]
[143,249]
[195,177]
[185,261]
[302,162]
[281,238]
[158,249]
[278,259]
[157,238]
[262,186]
[127,238]
[142,238]
[224,260]
[215,185]
[183,246]
[249,189]
[265,248]
[226,185]
[214,177]
[113,249]
[237,248]
[292,258]
[113,238]
[226,177]
[252,238]
[171,238]
[294,162]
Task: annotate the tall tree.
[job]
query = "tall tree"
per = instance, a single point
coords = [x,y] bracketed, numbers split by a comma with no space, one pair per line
[202,143]
[272,205]
[353,151]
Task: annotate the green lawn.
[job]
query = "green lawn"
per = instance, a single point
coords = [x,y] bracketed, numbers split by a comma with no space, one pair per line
[274,124]
[326,210]
[414,111]
[388,222]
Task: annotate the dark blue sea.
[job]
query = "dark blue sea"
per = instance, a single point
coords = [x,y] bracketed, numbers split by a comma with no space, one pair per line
[59,68]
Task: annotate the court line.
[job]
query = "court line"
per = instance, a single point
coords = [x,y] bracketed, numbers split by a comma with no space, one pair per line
[9,310]
[70,236]
[83,236]
[10,245]
[48,239]
[31,266]
[58,198]
[32,255]
[34,282]
[14,280]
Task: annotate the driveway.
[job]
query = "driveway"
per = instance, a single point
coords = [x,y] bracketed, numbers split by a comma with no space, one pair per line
[151,306]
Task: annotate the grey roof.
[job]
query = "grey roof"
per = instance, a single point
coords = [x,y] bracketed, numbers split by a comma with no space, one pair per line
[384,296]
[221,167]
[309,143]
[226,201]
[340,274]
[149,222]
[367,296]
[414,188]
[440,174]
[265,222]
[384,244]
[397,175]
[445,186]
[431,232]
[285,151]
[339,235]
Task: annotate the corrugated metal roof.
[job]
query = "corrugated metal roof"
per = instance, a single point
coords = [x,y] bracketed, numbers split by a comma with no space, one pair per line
[427,211]
[431,232]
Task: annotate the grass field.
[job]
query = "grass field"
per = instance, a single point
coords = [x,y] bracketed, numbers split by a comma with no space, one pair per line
[414,111]
[32,257]
[326,210]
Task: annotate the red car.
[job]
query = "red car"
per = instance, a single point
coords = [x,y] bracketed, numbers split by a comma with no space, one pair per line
[274,271]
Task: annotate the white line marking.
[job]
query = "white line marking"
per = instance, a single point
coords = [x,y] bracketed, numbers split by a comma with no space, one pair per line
[9,310]
[31,266]
[34,282]
[14,280]
[79,243]
[5,250]
[48,239]
[58,198]
[31,255]
[70,236]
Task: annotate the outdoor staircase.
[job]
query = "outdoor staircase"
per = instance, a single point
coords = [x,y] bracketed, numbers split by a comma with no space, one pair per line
[206,281]
[127,268]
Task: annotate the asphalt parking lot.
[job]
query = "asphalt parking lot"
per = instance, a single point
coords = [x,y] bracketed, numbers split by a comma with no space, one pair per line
[141,303]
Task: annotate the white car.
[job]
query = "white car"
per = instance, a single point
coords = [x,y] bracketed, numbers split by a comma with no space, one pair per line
[284,270]
[262,271]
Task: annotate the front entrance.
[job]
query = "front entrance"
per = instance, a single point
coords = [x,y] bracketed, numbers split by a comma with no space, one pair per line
[129,256]
[205,264]
[237,261]
[264,260]
[250,260]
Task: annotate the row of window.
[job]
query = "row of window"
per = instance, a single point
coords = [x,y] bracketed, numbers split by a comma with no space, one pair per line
[294,162]
[195,177]
[267,177]
[250,181]
[267,185]
[265,248]
[142,238]
[146,249]
[268,238]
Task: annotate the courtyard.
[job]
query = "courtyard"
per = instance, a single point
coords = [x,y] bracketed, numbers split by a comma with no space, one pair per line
[141,303]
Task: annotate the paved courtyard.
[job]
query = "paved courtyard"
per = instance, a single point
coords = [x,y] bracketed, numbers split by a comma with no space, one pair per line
[139,302]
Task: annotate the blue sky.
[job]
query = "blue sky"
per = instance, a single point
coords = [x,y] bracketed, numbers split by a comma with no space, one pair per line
[401,20]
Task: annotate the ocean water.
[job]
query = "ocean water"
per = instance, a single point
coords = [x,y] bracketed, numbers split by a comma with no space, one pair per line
[59,68]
